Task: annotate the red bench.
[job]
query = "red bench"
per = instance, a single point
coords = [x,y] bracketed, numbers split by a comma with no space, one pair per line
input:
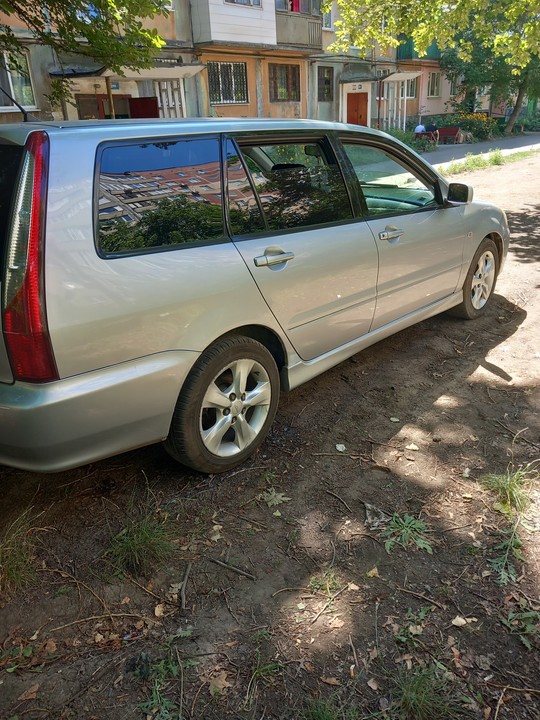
[449,135]
[428,135]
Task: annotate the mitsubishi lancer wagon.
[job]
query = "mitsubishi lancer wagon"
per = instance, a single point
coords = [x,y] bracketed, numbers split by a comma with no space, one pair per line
[166,280]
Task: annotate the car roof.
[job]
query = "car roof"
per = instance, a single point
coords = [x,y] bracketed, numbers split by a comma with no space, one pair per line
[151,127]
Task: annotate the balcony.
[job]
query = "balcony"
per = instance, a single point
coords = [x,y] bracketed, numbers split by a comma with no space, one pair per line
[298,30]
[406,51]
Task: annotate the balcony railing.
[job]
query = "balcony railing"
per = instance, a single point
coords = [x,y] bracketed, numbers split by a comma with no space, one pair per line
[299,30]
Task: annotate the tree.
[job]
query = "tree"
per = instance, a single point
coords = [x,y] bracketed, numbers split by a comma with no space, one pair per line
[111,32]
[510,27]
[485,68]
[507,30]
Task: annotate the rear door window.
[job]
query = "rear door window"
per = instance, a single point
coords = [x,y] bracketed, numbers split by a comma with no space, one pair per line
[298,185]
[10,160]
[158,195]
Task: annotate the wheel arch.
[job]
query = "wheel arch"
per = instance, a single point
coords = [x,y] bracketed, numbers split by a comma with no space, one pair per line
[271,341]
[497,239]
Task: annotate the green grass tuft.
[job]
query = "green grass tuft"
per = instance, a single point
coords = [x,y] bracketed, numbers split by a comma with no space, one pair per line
[143,545]
[512,487]
[424,694]
[17,555]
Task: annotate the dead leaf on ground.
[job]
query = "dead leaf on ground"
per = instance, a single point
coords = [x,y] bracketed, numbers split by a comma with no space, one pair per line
[29,694]
[330,681]
[373,684]
[374,572]
[159,610]
[218,685]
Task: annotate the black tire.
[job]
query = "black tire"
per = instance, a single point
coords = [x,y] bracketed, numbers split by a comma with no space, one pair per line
[480,282]
[226,406]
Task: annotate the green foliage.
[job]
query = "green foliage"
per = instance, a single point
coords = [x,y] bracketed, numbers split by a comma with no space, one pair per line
[406,136]
[531,122]
[511,29]
[412,627]
[145,543]
[331,709]
[406,530]
[172,222]
[511,487]
[112,32]
[508,550]
[326,583]
[477,162]
[17,555]
[425,694]
[524,622]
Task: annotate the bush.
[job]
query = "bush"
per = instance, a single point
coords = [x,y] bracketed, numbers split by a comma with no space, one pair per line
[407,137]
[481,126]
[531,122]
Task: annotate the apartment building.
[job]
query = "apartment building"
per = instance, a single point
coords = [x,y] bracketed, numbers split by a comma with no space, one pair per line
[238,58]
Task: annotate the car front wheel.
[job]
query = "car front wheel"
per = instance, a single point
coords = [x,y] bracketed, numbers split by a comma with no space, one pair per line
[226,407]
[480,282]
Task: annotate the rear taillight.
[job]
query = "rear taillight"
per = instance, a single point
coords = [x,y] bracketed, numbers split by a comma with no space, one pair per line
[24,318]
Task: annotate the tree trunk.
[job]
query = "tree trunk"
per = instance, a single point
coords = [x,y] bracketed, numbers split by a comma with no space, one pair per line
[522,88]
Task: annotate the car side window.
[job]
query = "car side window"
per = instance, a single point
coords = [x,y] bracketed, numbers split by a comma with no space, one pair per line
[244,212]
[388,186]
[298,184]
[159,194]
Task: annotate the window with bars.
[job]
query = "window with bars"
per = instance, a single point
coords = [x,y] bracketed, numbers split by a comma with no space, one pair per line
[227,83]
[325,84]
[434,84]
[284,83]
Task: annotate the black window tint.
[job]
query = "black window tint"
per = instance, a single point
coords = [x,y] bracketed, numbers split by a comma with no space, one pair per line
[10,160]
[244,213]
[388,186]
[297,185]
[158,194]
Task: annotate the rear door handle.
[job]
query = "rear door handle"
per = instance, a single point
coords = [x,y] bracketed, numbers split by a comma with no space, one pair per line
[267,260]
[390,233]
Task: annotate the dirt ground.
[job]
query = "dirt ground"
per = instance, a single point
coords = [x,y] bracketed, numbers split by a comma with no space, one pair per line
[308,610]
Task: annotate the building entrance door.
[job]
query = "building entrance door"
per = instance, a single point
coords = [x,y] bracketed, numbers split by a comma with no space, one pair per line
[357,104]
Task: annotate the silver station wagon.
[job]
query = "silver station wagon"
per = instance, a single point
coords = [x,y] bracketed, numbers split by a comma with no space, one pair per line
[163,281]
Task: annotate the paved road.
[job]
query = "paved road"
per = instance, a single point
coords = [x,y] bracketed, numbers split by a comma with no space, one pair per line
[447,153]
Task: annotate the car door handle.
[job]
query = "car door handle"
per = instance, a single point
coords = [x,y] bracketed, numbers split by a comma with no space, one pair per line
[267,260]
[390,233]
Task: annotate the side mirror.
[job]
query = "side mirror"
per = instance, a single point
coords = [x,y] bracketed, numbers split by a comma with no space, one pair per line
[459,193]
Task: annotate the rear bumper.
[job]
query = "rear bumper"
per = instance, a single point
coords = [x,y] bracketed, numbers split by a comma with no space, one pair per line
[64,424]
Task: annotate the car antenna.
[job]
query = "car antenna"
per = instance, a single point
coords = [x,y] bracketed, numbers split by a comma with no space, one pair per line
[26,115]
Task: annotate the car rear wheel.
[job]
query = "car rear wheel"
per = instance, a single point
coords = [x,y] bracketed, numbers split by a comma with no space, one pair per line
[480,282]
[226,407]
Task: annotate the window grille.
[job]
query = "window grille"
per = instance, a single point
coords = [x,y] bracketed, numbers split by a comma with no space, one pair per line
[227,83]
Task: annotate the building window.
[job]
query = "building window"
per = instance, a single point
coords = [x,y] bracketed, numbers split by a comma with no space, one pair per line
[434,84]
[284,82]
[410,88]
[307,7]
[252,3]
[327,21]
[15,79]
[325,77]
[227,83]
[454,86]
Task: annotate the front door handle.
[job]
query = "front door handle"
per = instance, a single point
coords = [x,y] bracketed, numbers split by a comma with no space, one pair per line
[267,260]
[391,233]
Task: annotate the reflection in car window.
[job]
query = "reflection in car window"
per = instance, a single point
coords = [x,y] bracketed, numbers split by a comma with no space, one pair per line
[159,194]
[297,184]
[387,185]
[244,213]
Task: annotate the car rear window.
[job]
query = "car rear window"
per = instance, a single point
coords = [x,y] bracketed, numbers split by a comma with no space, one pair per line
[10,160]
[159,195]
